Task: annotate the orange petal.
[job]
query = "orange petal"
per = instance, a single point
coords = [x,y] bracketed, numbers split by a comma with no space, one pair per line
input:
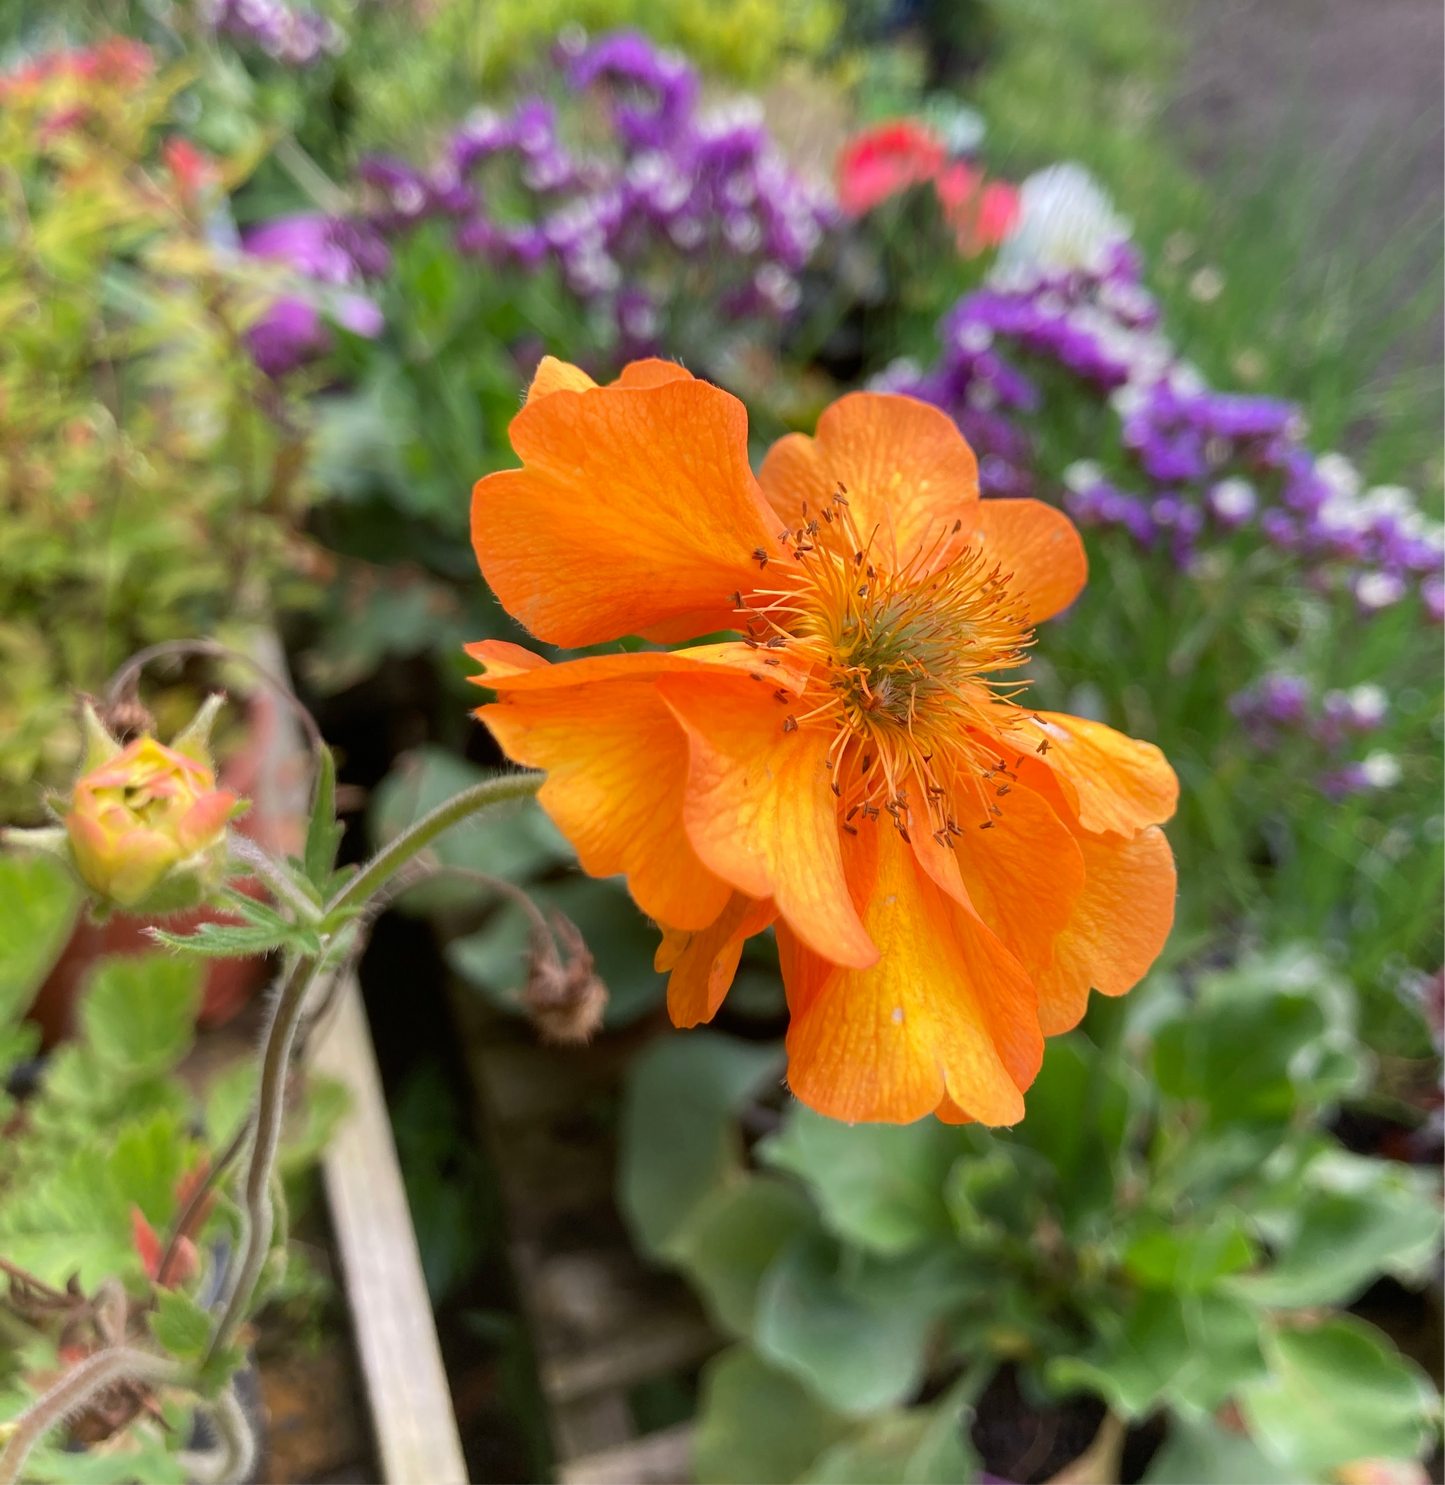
[759,809]
[553,375]
[635,508]
[906,467]
[1023,877]
[1122,784]
[1038,544]
[703,963]
[652,372]
[945,1014]
[617,769]
[1118,927]
[500,660]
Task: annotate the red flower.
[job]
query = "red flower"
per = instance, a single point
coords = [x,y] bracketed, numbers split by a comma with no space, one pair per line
[981,215]
[884,160]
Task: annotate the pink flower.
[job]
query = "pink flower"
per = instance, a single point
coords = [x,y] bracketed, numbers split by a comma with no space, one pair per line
[884,160]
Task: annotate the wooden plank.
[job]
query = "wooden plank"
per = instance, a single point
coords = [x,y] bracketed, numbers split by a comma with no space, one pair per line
[661,1458]
[396,1340]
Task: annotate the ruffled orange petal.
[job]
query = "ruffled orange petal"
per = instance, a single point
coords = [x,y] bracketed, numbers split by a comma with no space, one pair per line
[617,770]
[635,510]
[946,1013]
[500,660]
[1121,784]
[652,372]
[907,470]
[703,963]
[1038,544]
[759,809]
[1023,877]
[1118,926]
[553,375]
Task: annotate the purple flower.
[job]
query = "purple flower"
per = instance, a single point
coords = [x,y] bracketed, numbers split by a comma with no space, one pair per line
[297,38]
[1432,593]
[289,334]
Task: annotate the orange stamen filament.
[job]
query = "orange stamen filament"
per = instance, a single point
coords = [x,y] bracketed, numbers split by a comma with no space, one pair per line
[904,667]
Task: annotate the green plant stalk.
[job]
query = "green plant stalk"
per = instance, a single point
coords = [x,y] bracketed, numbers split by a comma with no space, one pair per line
[392,857]
[76,1388]
[265,1138]
[280,1035]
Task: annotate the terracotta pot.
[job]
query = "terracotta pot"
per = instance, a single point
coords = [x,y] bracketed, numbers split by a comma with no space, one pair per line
[270,770]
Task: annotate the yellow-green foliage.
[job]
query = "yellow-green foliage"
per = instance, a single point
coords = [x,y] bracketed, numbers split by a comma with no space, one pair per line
[148,471]
[1088,79]
[481,46]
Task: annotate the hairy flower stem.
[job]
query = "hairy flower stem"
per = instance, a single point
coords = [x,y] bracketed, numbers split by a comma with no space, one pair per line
[265,1137]
[396,854]
[71,1393]
[233,1460]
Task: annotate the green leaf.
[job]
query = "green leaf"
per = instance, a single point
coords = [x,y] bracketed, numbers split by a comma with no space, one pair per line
[71,1221]
[139,1014]
[323,834]
[228,941]
[1338,1392]
[180,1325]
[854,1327]
[1077,1117]
[1132,1364]
[1372,1217]
[730,1239]
[756,1423]
[920,1447]
[38,902]
[228,1101]
[146,1163]
[1200,1452]
[1189,1259]
[326,1102]
[878,1185]
[678,1139]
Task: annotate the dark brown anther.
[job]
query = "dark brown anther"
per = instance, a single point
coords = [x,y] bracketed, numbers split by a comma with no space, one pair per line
[789,724]
[1018,762]
[953,829]
[941,836]
[781,695]
[836,790]
[805,507]
[828,516]
[1003,789]
[851,829]
[987,825]
[778,642]
[907,839]
[870,811]
[993,809]
[769,660]
[863,591]
[958,526]
[857,559]
[738,598]
[866,764]
[853,811]
[760,556]
[755,675]
[804,546]
[1043,746]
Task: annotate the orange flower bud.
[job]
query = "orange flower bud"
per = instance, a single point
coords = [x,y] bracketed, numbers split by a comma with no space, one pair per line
[146,823]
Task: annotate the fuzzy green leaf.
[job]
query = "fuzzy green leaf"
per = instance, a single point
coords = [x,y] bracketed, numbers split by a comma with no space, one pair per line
[180,1325]
[323,835]
[139,1014]
[38,902]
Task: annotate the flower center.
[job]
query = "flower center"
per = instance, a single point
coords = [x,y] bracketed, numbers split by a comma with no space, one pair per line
[905,664]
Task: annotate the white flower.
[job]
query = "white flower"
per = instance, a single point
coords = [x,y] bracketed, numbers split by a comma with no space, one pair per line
[1083,474]
[1368,704]
[1233,500]
[1375,590]
[1065,222]
[1381,770]
[1339,474]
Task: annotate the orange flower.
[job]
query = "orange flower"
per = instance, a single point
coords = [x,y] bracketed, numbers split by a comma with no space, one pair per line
[949,872]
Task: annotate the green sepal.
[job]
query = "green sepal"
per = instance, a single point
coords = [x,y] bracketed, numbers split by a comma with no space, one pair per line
[323,835]
[100,746]
[194,739]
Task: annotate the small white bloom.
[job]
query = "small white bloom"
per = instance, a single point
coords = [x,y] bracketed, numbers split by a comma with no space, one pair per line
[1381,769]
[1368,704]
[1083,474]
[1339,474]
[973,338]
[1374,590]
[1233,500]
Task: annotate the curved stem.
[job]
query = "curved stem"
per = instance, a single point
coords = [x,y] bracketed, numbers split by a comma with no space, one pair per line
[249,854]
[266,1135]
[232,1462]
[76,1388]
[399,851]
